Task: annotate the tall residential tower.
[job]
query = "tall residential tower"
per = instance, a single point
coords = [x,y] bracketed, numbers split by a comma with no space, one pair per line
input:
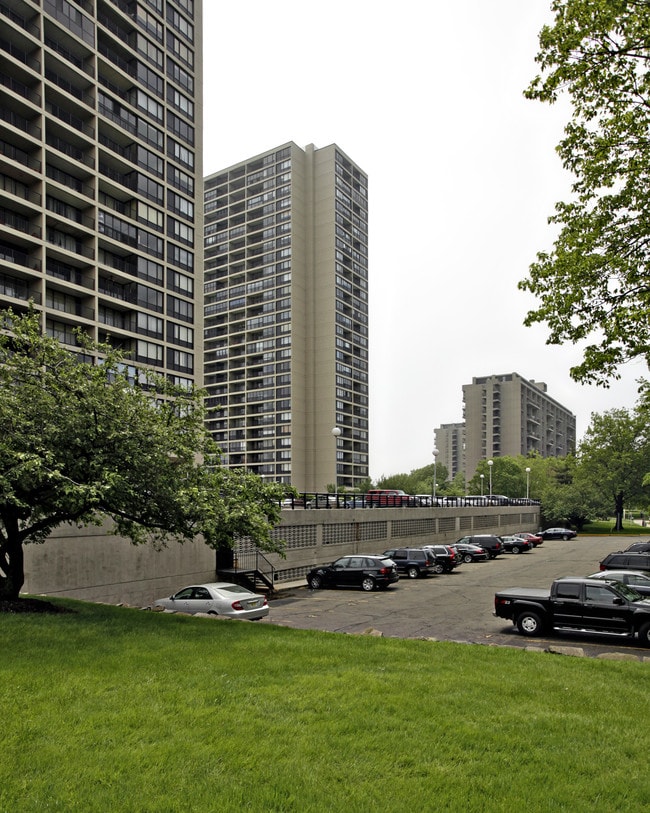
[286,316]
[101,172]
[508,415]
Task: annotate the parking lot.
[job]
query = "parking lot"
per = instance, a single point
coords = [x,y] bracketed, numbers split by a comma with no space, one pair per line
[457,606]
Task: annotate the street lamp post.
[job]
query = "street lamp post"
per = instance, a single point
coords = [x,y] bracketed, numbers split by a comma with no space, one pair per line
[435,463]
[482,476]
[490,464]
[336,433]
[527,482]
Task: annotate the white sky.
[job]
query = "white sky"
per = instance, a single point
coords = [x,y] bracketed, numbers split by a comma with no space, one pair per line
[426,96]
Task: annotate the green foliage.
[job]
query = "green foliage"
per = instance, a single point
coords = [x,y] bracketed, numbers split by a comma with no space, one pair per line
[418,481]
[508,477]
[594,286]
[131,711]
[80,441]
[614,456]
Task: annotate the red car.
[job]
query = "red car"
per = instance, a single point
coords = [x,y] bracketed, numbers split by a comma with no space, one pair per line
[534,538]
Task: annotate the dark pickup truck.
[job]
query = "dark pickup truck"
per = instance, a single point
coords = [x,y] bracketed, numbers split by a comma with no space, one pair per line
[585,605]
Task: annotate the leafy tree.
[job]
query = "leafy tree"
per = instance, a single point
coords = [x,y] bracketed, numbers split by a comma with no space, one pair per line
[570,505]
[418,481]
[594,285]
[80,441]
[508,477]
[457,486]
[614,457]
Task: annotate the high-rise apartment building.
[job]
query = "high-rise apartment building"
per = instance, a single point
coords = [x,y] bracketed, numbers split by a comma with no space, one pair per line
[286,316]
[101,173]
[508,415]
[450,443]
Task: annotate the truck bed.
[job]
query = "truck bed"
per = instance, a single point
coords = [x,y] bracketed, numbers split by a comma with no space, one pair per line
[525,592]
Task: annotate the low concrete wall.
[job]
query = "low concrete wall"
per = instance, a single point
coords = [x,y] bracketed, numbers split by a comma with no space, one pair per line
[319,536]
[93,565]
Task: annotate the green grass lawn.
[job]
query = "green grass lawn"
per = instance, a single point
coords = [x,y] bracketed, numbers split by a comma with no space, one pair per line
[113,709]
[606,526]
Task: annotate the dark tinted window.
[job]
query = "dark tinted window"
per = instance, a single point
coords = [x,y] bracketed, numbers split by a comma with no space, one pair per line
[567,590]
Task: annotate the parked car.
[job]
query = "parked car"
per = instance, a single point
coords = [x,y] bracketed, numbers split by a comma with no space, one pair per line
[638,547]
[558,533]
[367,572]
[415,562]
[536,539]
[490,542]
[447,559]
[515,544]
[471,553]
[218,598]
[639,581]
[626,561]
[387,497]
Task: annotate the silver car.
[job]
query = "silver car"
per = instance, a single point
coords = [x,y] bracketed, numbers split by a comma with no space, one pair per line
[639,581]
[219,598]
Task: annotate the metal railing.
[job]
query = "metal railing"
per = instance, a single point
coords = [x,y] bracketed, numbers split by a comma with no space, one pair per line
[253,563]
[323,500]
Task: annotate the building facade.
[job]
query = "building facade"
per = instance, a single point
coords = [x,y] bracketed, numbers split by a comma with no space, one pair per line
[508,415]
[101,174]
[450,443]
[286,316]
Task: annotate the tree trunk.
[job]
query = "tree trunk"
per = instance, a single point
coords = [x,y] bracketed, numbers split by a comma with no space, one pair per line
[12,566]
[618,513]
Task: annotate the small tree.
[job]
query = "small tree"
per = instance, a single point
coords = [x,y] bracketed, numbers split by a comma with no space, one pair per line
[614,456]
[81,439]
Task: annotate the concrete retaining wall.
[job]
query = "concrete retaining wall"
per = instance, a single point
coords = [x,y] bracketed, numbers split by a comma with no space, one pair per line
[93,565]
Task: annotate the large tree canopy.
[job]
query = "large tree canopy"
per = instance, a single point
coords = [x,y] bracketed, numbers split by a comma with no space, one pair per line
[82,439]
[594,286]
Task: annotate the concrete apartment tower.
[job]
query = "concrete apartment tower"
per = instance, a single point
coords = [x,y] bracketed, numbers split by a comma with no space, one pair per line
[508,415]
[101,174]
[450,443]
[286,316]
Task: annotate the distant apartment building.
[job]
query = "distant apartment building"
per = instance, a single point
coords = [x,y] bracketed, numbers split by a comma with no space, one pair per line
[450,443]
[100,174]
[286,316]
[506,415]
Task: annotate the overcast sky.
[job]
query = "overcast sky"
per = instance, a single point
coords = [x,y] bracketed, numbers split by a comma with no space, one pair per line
[427,98]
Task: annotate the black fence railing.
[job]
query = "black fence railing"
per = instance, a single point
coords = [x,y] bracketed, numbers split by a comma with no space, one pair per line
[322,500]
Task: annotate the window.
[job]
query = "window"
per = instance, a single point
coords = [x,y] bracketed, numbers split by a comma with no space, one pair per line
[180,309]
[180,76]
[180,283]
[179,152]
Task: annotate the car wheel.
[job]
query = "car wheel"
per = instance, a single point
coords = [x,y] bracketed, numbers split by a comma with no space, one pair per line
[529,623]
[412,572]
[565,537]
[467,558]
[315,582]
[515,549]
[368,584]
[438,569]
[644,635]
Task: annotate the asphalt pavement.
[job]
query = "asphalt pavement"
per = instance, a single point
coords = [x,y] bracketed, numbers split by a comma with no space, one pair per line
[457,606]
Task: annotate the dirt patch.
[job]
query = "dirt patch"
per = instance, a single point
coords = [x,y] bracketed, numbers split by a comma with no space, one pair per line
[31,605]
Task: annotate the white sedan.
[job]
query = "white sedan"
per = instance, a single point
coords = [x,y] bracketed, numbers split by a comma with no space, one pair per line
[219,598]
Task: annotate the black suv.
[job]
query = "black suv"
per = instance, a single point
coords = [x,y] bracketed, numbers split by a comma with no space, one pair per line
[414,562]
[638,547]
[492,544]
[446,558]
[366,571]
[626,561]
